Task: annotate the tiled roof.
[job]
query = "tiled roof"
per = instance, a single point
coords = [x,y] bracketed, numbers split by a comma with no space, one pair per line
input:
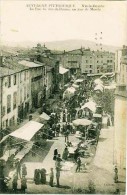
[4,71]
[14,65]
[30,64]
[76,51]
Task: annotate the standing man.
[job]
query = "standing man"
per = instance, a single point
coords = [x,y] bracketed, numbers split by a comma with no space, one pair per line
[51,177]
[78,164]
[58,177]
[18,169]
[58,167]
[66,135]
[23,184]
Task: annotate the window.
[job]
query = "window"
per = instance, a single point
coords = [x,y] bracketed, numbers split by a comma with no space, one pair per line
[3,125]
[9,81]
[90,71]
[14,79]
[27,90]
[14,100]
[97,61]
[8,103]
[6,123]
[25,93]
[44,71]
[20,95]
[86,61]
[90,66]
[13,119]
[20,77]
[25,75]
[3,111]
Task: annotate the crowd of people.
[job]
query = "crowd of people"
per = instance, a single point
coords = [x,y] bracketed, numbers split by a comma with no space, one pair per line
[60,123]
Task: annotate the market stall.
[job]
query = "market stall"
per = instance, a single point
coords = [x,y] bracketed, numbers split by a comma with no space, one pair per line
[19,142]
[69,92]
[82,122]
[44,116]
[90,105]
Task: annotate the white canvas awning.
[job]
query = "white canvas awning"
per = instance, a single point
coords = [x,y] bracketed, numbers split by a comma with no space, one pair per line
[71,89]
[98,82]
[63,70]
[97,115]
[79,81]
[91,105]
[44,116]
[110,87]
[27,131]
[98,87]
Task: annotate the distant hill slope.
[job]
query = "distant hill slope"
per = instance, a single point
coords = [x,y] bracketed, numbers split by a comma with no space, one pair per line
[76,44]
[60,45]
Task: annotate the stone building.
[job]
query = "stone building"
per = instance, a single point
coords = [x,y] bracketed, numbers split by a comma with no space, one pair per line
[86,61]
[37,75]
[14,92]
[121,109]
[94,62]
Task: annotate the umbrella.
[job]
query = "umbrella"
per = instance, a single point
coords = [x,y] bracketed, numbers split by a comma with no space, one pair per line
[91,105]
[83,122]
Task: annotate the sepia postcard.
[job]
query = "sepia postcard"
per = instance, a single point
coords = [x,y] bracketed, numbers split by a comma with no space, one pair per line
[63,96]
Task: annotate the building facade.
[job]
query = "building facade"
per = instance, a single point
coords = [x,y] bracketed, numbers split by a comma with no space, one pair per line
[37,75]
[87,61]
[121,109]
[15,93]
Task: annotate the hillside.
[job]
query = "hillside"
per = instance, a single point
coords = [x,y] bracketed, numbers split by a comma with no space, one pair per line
[59,45]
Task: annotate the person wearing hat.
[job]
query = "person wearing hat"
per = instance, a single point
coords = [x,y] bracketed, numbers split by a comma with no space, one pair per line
[116,174]
[55,154]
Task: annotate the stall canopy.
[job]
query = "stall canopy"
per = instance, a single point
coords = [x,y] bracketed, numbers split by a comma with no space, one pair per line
[62,70]
[44,116]
[71,89]
[103,77]
[83,122]
[98,82]
[97,115]
[113,86]
[27,131]
[69,92]
[98,87]
[91,105]
[79,81]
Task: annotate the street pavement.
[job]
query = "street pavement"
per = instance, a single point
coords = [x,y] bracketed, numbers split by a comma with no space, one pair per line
[99,169]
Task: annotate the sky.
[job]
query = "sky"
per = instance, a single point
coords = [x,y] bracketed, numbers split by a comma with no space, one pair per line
[19,24]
